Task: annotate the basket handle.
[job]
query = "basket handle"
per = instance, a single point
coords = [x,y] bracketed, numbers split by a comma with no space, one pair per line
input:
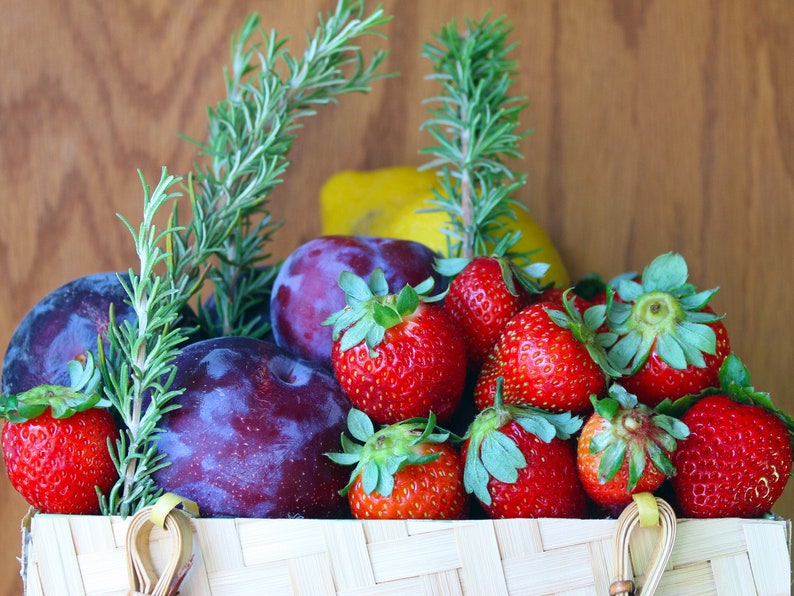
[142,575]
[645,511]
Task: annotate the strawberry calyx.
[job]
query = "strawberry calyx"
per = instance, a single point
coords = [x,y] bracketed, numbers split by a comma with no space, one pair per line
[515,266]
[371,309]
[633,430]
[585,328]
[379,454]
[63,402]
[662,312]
[492,454]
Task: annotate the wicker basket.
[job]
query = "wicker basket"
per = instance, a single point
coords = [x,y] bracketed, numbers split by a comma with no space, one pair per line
[87,555]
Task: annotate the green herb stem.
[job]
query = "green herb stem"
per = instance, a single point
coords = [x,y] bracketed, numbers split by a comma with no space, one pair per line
[474,123]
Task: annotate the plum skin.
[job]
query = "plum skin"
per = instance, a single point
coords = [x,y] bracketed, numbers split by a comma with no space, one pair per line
[64,325]
[306,290]
[249,437]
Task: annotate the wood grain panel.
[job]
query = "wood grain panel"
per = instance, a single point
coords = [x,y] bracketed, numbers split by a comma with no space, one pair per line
[658,125]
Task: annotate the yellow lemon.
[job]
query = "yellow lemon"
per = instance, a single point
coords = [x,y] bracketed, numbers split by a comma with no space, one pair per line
[384,202]
[352,201]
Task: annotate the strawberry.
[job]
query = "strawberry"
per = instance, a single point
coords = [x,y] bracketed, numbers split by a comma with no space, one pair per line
[407,470]
[624,448]
[520,461]
[482,298]
[548,358]
[396,356]
[555,295]
[56,444]
[738,457]
[669,339]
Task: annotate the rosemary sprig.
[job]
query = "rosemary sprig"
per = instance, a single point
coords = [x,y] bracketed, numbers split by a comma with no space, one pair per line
[474,123]
[138,363]
[250,134]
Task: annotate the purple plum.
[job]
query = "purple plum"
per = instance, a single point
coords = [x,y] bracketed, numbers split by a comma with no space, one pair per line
[62,326]
[306,290]
[249,437]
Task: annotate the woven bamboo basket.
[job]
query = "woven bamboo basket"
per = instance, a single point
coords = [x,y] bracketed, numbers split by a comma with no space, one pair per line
[88,555]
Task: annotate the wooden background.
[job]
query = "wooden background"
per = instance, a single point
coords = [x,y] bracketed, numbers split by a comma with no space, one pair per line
[659,125]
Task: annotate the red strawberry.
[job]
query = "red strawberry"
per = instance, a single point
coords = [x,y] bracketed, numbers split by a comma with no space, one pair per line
[555,295]
[738,457]
[481,299]
[624,448]
[549,359]
[55,446]
[670,341]
[484,296]
[407,470]
[521,462]
[396,356]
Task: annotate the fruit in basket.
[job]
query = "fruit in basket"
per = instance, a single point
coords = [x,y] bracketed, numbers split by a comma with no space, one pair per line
[481,299]
[669,338]
[396,355]
[735,463]
[57,465]
[520,461]
[624,448]
[305,291]
[549,358]
[64,325]
[407,470]
[738,457]
[249,436]
[55,443]
[356,202]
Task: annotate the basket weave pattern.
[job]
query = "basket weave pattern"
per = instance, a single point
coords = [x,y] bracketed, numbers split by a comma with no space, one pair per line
[86,555]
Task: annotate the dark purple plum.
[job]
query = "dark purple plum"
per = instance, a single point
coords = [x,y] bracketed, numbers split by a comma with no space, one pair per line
[306,290]
[62,326]
[250,436]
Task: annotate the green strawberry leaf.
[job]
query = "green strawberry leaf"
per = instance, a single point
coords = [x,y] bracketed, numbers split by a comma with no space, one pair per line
[618,314]
[666,273]
[538,425]
[425,287]
[701,337]
[377,284]
[611,460]
[695,303]
[660,460]
[565,424]
[669,350]
[355,288]
[407,302]
[385,316]
[595,316]
[501,457]
[450,267]
[370,478]
[356,333]
[360,425]
[672,426]
[343,459]
[475,476]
